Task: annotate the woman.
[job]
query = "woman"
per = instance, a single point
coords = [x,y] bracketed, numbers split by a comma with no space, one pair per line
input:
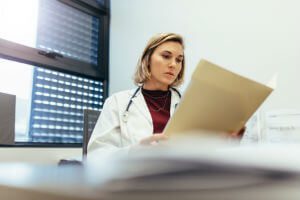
[139,116]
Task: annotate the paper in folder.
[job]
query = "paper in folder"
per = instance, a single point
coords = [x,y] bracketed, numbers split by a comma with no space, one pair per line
[216,100]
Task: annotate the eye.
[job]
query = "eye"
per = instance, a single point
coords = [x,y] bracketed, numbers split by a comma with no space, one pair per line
[179,60]
[166,56]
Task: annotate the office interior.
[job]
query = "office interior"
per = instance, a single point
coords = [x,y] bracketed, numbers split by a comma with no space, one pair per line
[256,39]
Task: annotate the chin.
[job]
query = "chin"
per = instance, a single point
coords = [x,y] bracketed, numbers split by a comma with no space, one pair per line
[169,82]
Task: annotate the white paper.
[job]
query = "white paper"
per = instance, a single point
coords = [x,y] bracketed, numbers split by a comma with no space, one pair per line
[282,126]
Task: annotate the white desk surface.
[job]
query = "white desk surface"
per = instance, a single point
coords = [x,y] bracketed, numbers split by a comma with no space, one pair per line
[27,182]
[157,178]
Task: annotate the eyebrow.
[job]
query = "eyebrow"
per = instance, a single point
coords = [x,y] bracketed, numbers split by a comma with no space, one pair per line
[181,56]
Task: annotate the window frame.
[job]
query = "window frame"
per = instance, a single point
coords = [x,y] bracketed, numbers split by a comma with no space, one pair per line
[28,55]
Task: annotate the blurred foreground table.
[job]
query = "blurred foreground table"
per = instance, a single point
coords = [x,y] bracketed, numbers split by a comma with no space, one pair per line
[210,176]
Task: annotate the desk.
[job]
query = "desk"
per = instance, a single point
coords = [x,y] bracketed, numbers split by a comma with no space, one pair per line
[28,182]
[176,179]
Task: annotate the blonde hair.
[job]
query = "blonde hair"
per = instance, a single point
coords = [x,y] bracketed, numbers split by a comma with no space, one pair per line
[142,72]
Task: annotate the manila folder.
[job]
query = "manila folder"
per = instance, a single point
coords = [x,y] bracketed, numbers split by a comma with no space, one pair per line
[216,100]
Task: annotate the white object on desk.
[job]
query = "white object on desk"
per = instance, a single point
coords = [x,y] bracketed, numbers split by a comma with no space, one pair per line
[282,126]
[253,130]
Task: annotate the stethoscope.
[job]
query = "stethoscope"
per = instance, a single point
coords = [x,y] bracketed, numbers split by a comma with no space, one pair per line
[126,112]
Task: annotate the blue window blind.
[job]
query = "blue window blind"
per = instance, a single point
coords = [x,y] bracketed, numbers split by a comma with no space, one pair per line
[68,31]
[58,101]
[100,2]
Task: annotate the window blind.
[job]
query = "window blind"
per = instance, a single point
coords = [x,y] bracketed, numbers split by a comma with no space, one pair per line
[58,101]
[68,31]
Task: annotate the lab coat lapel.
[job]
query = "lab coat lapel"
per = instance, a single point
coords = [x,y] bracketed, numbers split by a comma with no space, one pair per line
[174,101]
[140,103]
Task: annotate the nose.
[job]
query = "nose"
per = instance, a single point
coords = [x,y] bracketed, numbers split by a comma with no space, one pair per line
[173,63]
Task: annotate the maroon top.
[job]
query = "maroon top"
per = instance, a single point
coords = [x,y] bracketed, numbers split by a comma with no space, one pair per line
[158,103]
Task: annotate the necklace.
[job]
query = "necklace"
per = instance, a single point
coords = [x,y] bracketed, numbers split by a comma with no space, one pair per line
[165,96]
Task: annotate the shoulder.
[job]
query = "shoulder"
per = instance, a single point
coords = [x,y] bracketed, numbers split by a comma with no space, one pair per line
[121,96]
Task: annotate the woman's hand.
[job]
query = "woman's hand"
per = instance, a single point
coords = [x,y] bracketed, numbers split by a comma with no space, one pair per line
[153,139]
[239,134]
[147,142]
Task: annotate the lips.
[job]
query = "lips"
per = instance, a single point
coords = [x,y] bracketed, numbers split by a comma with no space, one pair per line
[170,73]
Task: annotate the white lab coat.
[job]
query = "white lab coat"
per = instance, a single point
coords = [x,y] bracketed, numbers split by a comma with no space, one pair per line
[112,134]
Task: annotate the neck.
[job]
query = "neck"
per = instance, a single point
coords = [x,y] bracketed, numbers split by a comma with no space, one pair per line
[153,86]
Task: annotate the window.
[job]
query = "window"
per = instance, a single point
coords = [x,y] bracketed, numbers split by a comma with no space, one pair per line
[56,70]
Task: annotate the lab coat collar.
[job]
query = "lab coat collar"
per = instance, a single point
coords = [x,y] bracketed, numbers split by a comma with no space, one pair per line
[174,101]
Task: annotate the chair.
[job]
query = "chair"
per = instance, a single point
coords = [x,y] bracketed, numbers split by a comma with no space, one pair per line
[89,121]
[90,118]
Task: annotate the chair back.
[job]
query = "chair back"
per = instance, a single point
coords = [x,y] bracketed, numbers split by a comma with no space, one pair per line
[90,118]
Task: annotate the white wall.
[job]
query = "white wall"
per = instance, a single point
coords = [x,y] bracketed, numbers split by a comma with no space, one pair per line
[255,38]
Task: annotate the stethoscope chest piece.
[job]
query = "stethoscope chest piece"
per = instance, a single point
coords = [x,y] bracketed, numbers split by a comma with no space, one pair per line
[125,116]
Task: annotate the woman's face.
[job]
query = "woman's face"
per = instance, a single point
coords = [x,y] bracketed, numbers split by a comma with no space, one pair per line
[165,65]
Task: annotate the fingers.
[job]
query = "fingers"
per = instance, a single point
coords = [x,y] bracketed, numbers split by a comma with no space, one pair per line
[158,137]
[153,139]
[239,133]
